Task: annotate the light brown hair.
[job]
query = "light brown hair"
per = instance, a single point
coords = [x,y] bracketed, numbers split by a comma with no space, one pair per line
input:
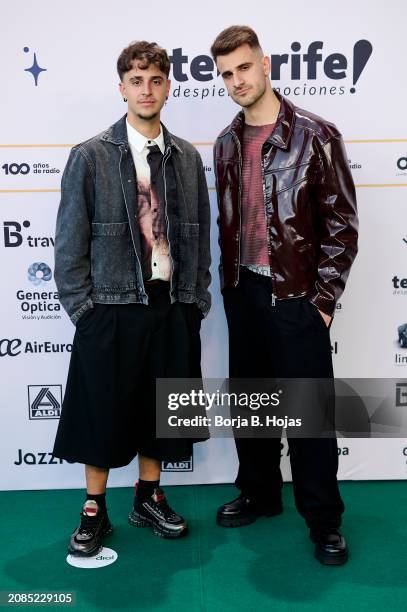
[233,37]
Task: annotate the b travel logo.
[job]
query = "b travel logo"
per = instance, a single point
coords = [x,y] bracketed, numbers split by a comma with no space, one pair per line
[44,402]
[307,68]
[178,466]
[40,302]
[20,233]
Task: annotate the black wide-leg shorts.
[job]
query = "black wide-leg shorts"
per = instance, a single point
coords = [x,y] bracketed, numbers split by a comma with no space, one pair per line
[108,413]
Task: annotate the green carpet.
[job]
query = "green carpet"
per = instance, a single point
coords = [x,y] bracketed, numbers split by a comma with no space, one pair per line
[265,566]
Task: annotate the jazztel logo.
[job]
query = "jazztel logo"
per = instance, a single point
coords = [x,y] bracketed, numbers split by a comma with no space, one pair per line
[15,347]
[36,458]
[14,237]
[177,466]
[44,402]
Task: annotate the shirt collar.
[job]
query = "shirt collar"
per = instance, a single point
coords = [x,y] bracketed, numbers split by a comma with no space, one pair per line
[138,141]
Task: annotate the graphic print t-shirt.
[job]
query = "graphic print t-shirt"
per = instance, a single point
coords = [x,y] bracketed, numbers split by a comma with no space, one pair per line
[147,156]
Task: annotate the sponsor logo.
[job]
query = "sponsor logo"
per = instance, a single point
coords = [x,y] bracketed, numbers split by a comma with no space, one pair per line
[36,458]
[44,402]
[15,346]
[14,168]
[401,395]
[34,304]
[35,69]
[354,165]
[306,62]
[399,285]
[401,166]
[14,235]
[402,335]
[285,450]
[178,466]
[39,305]
[105,557]
[39,273]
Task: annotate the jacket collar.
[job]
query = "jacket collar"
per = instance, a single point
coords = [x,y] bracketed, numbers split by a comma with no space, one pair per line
[117,135]
[280,137]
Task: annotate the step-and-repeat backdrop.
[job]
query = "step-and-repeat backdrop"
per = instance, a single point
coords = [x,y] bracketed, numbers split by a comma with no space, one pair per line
[59,87]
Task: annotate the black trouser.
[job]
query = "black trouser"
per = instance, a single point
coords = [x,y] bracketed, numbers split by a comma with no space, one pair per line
[287,340]
[119,350]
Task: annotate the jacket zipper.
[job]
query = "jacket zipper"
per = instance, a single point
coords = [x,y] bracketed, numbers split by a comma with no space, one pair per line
[239,203]
[273,296]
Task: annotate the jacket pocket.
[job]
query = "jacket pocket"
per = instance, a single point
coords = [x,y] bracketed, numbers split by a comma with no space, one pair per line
[188,252]
[113,263]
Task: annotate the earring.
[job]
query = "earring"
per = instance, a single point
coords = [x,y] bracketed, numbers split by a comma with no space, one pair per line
[124,99]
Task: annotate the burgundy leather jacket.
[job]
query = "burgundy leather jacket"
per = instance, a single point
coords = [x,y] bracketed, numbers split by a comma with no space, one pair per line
[310,203]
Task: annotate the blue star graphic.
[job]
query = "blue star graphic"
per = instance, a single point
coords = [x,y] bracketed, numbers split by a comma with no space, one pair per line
[35,69]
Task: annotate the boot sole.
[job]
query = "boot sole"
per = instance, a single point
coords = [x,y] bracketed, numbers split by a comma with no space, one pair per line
[223,521]
[327,559]
[93,551]
[138,521]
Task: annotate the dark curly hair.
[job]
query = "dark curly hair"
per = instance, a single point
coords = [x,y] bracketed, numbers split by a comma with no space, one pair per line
[147,53]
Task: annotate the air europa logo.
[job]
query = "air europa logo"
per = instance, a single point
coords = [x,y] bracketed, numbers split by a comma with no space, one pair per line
[305,62]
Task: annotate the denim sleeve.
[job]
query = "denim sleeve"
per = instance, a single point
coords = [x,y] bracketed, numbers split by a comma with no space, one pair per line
[204,258]
[73,234]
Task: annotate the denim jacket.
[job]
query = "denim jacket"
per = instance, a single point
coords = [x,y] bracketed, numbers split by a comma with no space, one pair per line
[97,241]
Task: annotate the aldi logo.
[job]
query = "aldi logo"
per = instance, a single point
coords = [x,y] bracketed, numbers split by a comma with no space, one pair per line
[178,466]
[44,402]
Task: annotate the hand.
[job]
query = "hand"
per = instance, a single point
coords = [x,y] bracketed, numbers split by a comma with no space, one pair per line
[327,319]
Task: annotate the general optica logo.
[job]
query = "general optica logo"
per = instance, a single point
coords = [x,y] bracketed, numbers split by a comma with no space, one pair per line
[39,273]
[35,69]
